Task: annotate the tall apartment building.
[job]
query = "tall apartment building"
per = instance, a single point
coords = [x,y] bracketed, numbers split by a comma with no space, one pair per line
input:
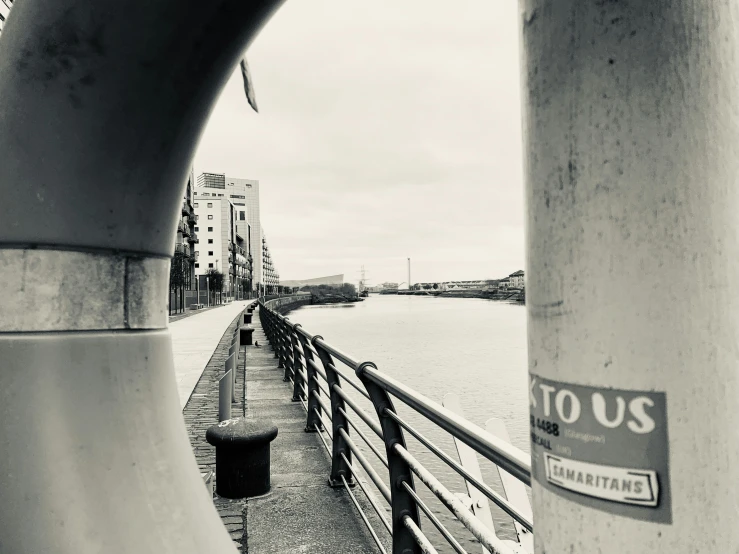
[224,239]
[269,271]
[244,193]
[182,269]
[244,196]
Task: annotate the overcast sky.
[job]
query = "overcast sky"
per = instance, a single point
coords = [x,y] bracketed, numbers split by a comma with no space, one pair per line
[387,129]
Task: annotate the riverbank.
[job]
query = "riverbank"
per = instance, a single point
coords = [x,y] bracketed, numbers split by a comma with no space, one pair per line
[513,295]
[334,299]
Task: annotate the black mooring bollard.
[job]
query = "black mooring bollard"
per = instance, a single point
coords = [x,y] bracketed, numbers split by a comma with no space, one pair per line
[247,318]
[242,456]
[245,334]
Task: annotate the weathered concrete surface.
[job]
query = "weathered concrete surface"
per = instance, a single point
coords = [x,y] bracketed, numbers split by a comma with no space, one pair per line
[61,290]
[301,513]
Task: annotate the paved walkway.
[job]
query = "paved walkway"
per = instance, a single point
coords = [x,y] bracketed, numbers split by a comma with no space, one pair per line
[194,339]
[301,513]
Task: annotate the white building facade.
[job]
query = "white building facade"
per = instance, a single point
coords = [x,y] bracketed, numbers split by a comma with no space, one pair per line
[270,274]
[517,279]
[244,194]
[223,244]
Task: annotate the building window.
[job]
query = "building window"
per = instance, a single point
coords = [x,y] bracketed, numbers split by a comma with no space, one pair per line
[220,195]
[210,265]
[239,204]
[210,204]
[197,264]
[210,241]
[242,216]
[238,196]
[195,205]
[210,229]
[210,252]
[210,216]
[197,229]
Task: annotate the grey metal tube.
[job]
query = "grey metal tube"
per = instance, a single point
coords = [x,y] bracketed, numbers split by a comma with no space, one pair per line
[326,407]
[508,457]
[423,542]
[318,368]
[474,525]
[320,436]
[225,396]
[381,486]
[368,494]
[501,502]
[360,412]
[363,516]
[326,428]
[364,438]
[435,520]
[352,383]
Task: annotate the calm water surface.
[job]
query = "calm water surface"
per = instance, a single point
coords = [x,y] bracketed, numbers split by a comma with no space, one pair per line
[472,347]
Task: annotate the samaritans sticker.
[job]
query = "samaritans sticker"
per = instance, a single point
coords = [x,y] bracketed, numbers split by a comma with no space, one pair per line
[603,448]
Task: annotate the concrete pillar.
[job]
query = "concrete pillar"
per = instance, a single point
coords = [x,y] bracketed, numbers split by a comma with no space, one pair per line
[101,107]
[631,126]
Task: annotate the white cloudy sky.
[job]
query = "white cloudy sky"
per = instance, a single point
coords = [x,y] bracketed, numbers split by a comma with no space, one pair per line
[387,129]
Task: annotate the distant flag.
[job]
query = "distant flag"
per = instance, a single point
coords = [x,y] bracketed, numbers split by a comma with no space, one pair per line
[248,86]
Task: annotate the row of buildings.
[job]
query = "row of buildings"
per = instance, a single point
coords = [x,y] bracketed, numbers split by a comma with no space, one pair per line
[220,232]
[513,281]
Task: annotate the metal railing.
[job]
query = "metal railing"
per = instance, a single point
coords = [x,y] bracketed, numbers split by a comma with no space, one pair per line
[331,385]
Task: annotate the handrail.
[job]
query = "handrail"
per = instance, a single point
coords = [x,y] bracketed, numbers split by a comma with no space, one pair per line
[508,457]
[312,362]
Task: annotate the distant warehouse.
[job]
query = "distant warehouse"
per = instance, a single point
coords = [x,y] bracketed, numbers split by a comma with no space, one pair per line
[330,280]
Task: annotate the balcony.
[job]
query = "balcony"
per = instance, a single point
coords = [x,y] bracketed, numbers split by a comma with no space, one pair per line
[181,227]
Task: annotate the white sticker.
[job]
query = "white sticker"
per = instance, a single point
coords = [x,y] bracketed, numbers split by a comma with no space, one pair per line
[617,484]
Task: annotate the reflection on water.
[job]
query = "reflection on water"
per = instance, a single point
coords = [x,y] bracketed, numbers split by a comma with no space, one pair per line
[475,348]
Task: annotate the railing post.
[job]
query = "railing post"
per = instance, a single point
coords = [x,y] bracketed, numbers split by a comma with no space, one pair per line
[403,503]
[279,340]
[283,349]
[339,467]
[313,422]
[296,365]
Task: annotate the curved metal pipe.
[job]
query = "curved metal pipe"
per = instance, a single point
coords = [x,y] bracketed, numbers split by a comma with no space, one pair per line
[101,107]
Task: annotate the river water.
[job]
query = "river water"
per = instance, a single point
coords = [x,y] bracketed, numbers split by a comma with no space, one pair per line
[472,347]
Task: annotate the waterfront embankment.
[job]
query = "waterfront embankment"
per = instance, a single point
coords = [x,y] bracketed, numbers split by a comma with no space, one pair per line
[294,515]
[510,295]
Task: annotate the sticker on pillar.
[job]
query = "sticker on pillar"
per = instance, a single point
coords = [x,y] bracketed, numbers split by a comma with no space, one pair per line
[603,448]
